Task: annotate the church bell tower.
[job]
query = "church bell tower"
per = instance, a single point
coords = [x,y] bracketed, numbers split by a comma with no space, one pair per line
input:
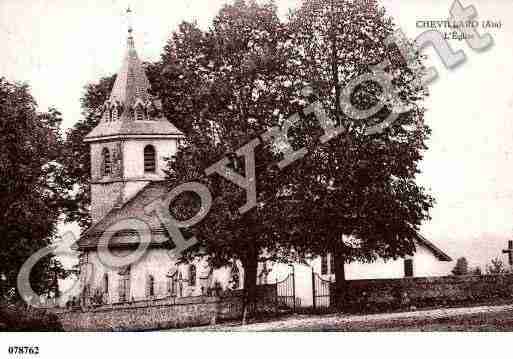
[129,145]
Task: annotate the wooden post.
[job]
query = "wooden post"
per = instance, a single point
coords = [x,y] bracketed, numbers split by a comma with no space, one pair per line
[509,252]
[313,289]
[294,288]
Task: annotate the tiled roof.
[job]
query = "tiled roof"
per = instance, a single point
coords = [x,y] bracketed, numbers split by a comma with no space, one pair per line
[131,82]
[130,90]
[133,208]
[133,128]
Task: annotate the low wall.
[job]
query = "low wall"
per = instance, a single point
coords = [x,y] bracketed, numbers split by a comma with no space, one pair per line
[165,313]
[383,294]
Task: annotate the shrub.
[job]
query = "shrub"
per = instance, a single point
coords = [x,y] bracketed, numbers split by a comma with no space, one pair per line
[17,317]
[496,266]
[461,267]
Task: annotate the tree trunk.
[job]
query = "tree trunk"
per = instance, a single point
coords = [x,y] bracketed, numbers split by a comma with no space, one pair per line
[250,264]
[340,279]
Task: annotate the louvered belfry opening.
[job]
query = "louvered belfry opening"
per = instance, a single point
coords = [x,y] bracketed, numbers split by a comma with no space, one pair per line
[107,168]
[149,159]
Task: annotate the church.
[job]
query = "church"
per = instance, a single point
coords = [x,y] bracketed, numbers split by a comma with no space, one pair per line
[128,149]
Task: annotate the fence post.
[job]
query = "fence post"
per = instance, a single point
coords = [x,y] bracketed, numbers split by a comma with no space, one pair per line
[313,289]
[294,288]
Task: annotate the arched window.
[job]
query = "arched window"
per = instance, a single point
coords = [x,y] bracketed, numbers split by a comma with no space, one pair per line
[106,162]
[114,114]
[139,113]
[124,284]
[105,283]
[180,284]
[149,159]
[150,292]
[192,275]
[172,281]
[235,280]
[324,264]
[408,267]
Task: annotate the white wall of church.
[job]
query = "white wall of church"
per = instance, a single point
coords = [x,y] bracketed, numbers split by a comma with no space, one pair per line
[153,263]
[158,263]
[133,155]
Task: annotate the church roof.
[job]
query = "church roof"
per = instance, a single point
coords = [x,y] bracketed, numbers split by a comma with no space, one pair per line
[162,128]
[131,92]
[133,208]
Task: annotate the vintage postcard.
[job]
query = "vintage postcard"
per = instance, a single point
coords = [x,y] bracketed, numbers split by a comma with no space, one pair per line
[227,166]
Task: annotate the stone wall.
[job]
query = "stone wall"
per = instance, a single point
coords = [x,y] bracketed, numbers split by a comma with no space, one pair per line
[385,294]
[194,311]
[266,300]
[166,313]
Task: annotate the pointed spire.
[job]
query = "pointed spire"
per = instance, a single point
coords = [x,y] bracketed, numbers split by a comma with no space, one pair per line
[130,109]
[130,28]
[131,84]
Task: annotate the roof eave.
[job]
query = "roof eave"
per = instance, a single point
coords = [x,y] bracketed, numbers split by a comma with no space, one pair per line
[133,135]
[441,255]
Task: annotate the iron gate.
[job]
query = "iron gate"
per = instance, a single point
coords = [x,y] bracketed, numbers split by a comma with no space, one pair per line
[322,296]
[286,293]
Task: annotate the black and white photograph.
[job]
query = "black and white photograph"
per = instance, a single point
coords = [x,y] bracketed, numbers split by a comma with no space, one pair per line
[189,168]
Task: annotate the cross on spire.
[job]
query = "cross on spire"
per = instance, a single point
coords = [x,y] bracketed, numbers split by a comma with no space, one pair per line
[131,100]
[129,17]
[509,252]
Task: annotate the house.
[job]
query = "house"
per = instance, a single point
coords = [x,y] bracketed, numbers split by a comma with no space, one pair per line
[427,261]
[128,150]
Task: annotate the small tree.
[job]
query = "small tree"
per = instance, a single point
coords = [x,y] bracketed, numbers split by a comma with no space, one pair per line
[477,271]
[496,266]
[461,267]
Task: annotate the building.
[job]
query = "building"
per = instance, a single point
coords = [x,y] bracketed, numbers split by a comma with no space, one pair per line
[428,261]
[128,150]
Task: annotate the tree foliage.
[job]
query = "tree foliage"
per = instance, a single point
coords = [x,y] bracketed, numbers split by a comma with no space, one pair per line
[461,267]
[30,188]
[236,86]
[355,196]
[476,271]
[496,266]
[358,191]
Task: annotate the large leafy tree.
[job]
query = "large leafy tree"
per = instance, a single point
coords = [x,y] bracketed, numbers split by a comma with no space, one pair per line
[237,85]
[354,196]
[357,191]
[30,187]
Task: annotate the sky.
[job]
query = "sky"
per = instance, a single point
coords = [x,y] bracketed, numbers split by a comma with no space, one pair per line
[58,46]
